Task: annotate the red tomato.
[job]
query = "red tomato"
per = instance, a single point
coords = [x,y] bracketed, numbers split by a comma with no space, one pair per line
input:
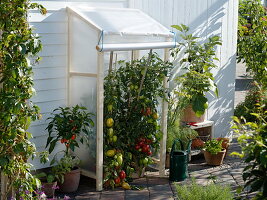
[62,141]
[73,137]
[137,147]
[145,148]
[117,180]
[141,144]
[74,128]
[71,121]
[67,144]
[148,111]
[149,153]
[122,174]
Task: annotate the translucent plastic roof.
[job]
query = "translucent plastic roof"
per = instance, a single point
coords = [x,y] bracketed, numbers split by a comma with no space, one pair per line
[123,21]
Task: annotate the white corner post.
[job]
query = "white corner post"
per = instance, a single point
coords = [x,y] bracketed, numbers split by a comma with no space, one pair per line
[100,119]
[164,118]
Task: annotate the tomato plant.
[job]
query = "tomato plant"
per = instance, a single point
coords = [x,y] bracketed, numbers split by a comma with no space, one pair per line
[131,100]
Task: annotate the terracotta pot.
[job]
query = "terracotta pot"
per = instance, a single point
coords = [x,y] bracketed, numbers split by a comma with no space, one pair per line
[49,189]
[167,162]
[71,181]
[225,144]
[190,116]
[216,159]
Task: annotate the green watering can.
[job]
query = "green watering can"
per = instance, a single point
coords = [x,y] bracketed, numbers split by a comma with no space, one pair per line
[179,161]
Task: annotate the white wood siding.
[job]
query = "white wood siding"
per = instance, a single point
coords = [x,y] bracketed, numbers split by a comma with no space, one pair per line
[205,18]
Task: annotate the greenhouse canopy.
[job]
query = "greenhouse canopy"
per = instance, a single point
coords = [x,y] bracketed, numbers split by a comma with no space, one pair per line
[94,34]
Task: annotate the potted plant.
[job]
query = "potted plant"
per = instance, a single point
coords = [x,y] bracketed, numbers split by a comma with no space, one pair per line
[196,79]
[68,126]
[213,152]
[49,183]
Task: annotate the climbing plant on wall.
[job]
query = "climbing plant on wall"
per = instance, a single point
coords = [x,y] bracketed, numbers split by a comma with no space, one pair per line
[18,45]
[132,131]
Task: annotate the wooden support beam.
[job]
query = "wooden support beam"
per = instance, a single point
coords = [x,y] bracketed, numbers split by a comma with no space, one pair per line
[100,119]
[164,124]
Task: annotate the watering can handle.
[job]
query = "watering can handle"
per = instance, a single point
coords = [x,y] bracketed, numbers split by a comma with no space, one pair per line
[174,143]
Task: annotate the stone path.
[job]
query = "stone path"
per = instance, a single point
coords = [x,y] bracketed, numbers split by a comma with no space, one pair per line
[154,187]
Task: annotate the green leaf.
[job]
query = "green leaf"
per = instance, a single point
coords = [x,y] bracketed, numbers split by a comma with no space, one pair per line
[50,178]
[52,146]
[199,105]
[179,28]
[3,161]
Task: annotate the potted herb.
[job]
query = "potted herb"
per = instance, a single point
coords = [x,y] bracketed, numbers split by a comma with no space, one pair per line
[68,126]
[213,152]
[196,79]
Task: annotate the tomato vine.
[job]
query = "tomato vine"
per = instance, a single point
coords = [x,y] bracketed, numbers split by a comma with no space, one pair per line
[132,130]
[18,44]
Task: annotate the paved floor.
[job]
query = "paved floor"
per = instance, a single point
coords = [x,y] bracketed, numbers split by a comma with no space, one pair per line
[242,83]
[159,188]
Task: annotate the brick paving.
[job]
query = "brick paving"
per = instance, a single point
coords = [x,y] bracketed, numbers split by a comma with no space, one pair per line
[153,187]
[159,188]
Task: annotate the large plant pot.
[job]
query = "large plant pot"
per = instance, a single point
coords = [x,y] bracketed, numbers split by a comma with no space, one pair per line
[216,159]
[71,181]
[190,116]
[49,188]
[167,162]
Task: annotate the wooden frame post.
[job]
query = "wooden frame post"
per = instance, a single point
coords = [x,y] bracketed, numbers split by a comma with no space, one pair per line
[164,118]
[100,119]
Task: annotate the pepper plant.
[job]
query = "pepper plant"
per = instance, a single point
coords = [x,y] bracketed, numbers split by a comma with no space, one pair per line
[17,45]
[131,126]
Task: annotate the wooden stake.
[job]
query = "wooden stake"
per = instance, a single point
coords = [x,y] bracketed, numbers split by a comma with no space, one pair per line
[144,75]
[110,61]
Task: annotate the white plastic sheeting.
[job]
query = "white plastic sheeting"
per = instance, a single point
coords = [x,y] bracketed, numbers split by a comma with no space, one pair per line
[122,21]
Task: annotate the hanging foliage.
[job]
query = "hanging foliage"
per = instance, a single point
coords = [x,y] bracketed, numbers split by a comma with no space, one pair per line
[132,131]
[17,45]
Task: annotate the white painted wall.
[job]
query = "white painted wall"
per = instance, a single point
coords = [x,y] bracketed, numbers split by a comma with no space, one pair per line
[205,18]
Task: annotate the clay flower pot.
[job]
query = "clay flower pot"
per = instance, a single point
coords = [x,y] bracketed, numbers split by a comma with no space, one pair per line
[71,181]
[214,159]
[49,188]
[190,116]
[167,162]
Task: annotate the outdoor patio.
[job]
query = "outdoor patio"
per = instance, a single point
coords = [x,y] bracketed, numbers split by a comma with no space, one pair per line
[154,187]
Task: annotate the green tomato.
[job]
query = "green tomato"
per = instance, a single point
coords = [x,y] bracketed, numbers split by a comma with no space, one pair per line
[110,108]
[130,156]
[131,87]
[136,87]
[120,160]
[116,164]
[110,132]
[114,138]
[115,156]
[145,161]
